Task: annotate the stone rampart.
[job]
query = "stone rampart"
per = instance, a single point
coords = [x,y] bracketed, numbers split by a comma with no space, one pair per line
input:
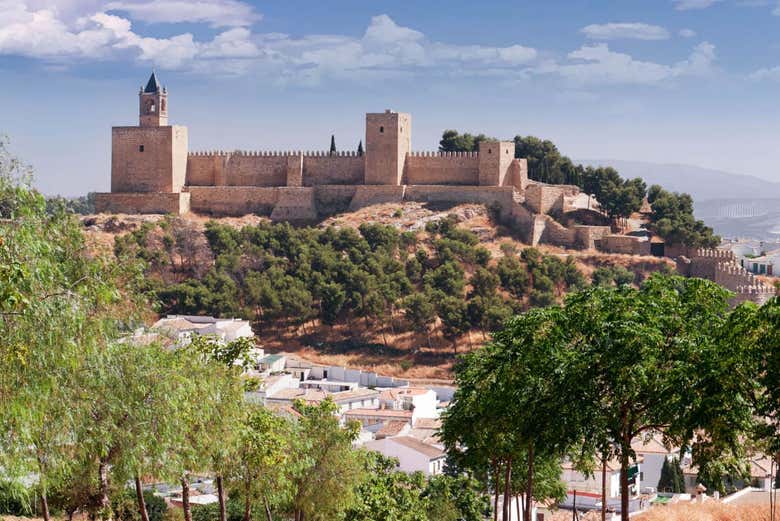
[442,168]
[557,234]
[588,236]
[488,195]
[154,202]
[759,294]
[233,200]
[294,204]
[331,199]
[367,195]
[626,244]
[543,198]
[320,168]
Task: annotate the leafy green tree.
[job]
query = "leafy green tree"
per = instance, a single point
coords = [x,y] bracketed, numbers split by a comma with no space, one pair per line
[324,482]
[651,362]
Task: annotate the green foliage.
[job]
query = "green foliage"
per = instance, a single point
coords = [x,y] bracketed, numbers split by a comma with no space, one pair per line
[672,218]
[126,509]
[452,141]
[672,478]
[612,275]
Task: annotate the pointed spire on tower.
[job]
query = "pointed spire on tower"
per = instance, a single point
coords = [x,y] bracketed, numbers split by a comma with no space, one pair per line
[152,85]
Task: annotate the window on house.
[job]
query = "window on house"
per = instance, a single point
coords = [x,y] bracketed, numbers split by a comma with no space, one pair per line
[141,148]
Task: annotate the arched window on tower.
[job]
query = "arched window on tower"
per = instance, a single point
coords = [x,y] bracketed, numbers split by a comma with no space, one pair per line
[151,108]
[162,105]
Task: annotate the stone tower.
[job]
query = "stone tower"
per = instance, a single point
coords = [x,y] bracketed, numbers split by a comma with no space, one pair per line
[388,141]
[151,157]
[153,104]
[495,160]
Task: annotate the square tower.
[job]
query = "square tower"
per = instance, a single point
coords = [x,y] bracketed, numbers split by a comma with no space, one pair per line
[388,141]
[495,160]
[151,157]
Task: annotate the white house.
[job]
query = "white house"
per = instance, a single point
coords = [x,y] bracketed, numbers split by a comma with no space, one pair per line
[586,485]
[347,400]
[413,455]
[768,264]
[421,401]
[653,454]
[182,327]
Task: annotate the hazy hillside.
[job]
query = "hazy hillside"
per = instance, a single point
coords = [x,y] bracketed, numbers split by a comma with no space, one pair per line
[733,204]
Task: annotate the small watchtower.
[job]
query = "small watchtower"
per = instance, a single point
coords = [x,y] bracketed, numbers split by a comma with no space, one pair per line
[153,104]
[388,141]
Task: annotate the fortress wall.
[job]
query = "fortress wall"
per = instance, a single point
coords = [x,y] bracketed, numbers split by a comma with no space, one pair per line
[557,234]
[326,169]
[233,200]
[440,168]
[586,236]
[367,195]
[205,170]
[330,199]
[294,204]
[133,203]
[542,198]
[625,244]
[731,275]
[488,195]
[256,170]
[518,174]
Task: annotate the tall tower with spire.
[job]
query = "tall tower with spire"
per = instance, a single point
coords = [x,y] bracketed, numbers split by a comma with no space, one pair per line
[153,104]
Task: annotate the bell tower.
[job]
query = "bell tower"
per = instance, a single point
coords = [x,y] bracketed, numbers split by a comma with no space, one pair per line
[153,104]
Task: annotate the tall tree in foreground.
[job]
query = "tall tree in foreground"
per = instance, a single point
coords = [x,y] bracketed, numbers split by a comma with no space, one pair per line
[651,362]
[58,304]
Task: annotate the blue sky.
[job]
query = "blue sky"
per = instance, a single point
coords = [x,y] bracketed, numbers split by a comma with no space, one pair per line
[667,81]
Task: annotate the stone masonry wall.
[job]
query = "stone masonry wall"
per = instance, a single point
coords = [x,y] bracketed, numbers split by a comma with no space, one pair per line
[321,168]
[233,200]
[625,244]
[330,199]
[141,159]
[159,202]
[542,198]
[442,168]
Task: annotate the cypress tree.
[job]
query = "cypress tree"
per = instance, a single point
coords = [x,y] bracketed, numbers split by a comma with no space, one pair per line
[332,144]
[360,148]
[665,482]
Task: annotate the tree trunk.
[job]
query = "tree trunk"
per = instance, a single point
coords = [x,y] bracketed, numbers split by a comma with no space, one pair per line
[139,494]
[603,487]
[624,462]
[221,495]
[517,506]
[529,491]
[495,490]
[247,504]
[185,498]
[267,509]
[105,502]
[507,486]
[44,507]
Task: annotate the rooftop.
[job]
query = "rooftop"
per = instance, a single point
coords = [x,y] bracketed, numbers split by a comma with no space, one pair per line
[418,446]
[380,413]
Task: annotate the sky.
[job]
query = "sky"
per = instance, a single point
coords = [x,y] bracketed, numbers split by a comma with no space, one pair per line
[665,81]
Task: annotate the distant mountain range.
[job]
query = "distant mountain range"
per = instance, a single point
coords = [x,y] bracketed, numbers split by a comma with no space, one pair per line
[735,205]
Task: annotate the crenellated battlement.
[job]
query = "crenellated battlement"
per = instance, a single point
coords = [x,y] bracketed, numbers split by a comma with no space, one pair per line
[713,253]
[274,153]
[758,289]
[438,153]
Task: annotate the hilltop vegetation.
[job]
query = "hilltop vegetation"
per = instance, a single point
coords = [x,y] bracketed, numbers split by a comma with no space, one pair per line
[438,284]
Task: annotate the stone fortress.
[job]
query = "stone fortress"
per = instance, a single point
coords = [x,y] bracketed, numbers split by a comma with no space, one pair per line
[153,171]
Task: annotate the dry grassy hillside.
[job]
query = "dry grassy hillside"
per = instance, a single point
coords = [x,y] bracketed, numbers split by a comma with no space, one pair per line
[357,342]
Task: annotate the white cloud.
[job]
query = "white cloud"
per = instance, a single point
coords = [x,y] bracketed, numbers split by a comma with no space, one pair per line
[687,33]
[615,31]
[767,73]
[217,13]
[598,65]
[686,5]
